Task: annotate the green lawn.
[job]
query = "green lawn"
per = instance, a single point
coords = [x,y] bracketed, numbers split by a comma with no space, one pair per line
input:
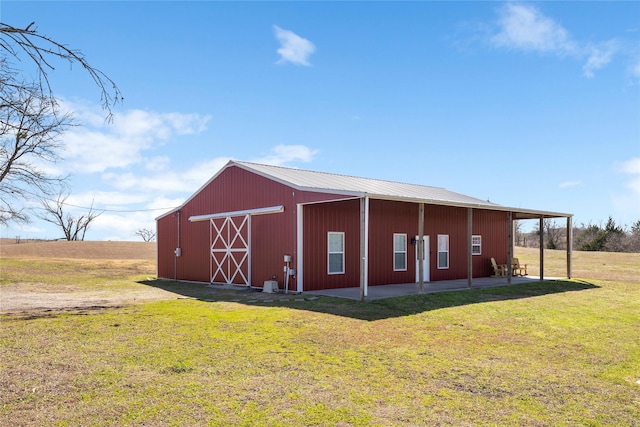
[555,354]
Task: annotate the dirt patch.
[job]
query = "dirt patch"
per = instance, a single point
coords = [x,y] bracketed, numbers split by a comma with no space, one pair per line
[74,250]
[41,277]
[31,299]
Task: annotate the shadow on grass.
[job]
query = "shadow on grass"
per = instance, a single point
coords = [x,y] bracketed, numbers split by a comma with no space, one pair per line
[371,310]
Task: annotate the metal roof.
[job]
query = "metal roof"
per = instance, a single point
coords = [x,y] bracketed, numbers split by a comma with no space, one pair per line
[306,180]
[323,182]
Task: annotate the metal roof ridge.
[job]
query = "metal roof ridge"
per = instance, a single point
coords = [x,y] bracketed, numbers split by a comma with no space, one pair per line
[249,164]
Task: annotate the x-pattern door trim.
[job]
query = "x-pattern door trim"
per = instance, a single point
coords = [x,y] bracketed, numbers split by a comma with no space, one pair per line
[230,249]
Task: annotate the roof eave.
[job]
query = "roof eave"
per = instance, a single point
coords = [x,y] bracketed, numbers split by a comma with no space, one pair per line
[519,212]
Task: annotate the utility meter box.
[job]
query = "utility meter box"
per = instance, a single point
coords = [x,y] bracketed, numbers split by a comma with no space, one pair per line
[178,251]
[270,286]
[287,258]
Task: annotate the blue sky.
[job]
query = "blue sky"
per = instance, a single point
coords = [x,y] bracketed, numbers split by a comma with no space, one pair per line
[532,105]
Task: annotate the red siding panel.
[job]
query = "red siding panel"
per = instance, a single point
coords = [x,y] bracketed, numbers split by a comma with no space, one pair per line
[452,221]
[166,242]
[493,227]
[385,219]
[318,221]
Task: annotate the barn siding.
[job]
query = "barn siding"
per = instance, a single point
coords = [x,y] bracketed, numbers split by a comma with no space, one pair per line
[452,221]
[318,220]
[385,219]
[234,189]
[166,242]
[274,235]
[493,226]
[389,217]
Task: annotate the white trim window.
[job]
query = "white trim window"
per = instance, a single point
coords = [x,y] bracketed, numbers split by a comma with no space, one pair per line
[399,252]
[443,251]
[476,245]
[335,253]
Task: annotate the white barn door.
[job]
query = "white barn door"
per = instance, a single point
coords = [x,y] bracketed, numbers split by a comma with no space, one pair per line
[230,251]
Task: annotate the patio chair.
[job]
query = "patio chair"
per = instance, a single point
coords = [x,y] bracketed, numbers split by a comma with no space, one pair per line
[499,270]
[519,269]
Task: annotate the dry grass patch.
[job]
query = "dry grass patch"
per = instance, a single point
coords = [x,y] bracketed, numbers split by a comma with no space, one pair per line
[78,249]
[615,266]
[38,284]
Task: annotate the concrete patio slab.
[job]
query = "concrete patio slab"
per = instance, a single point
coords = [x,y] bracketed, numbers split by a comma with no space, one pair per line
[391,291]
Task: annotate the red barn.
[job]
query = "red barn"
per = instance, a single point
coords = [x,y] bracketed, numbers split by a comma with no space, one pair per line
[251,221]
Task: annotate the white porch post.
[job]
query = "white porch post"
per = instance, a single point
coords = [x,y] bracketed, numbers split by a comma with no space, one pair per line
[364,247]
[509,247]
[470,247]
[541,248]
[569,247]
[299,248]
[421,247]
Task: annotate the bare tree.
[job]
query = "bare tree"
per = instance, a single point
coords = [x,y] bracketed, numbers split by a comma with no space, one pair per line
[517,231]
[73,227]
[553,233]
[41,49]
[554,236]
[146,234]
[30,121]
[30,127]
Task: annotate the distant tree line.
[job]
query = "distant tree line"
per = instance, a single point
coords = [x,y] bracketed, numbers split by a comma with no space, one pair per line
[607,237]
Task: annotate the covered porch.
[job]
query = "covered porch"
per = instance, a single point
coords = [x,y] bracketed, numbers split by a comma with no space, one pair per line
[366,292]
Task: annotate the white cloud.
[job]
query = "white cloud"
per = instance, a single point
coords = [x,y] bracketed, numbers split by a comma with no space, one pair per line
[629,202]
[187,181]
[201,172]
[631,166]
[97,147]
[524,27]
[167,181]
[157,163]
[122,226]
[569,184]
[293,48]
[161,191]
[599,57]
[281,154]
[138,180]
[107,199]
[634,71]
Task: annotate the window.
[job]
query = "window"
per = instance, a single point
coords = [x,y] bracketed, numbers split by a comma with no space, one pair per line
[336,253]
[399,252]
[476,245]
[443,251]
